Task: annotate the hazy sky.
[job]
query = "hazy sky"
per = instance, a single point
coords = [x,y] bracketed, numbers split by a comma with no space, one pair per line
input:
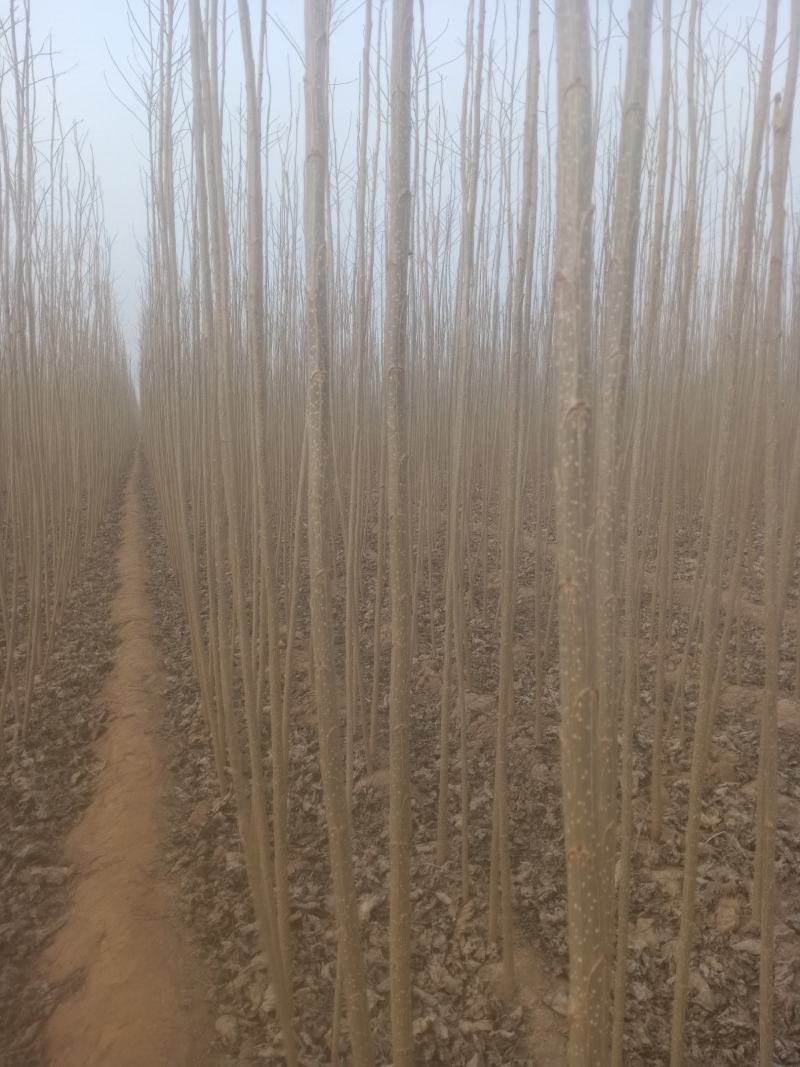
[86,33]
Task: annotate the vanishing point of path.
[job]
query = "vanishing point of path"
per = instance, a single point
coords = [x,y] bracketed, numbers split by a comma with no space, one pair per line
[139,992]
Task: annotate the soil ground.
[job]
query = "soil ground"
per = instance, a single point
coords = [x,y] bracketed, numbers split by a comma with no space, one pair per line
[151,952]
[125,986]
[141,1000]
[44,790]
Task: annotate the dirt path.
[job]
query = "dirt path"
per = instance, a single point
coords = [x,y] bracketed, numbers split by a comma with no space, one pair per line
[140,996]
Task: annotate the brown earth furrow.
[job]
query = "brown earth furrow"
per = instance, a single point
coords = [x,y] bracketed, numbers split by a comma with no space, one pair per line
[139,999]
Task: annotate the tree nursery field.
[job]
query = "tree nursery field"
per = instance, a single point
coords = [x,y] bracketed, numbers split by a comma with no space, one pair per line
[399,650]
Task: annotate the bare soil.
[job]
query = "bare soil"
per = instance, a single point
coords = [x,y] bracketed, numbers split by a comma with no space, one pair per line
[139,995]
[45,786]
